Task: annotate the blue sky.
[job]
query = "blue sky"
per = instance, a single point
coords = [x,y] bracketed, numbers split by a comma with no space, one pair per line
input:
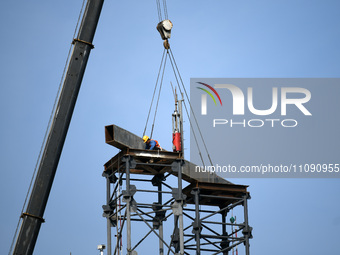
[243,39]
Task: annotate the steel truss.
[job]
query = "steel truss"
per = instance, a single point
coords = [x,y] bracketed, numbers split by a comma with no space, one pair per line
[192,220]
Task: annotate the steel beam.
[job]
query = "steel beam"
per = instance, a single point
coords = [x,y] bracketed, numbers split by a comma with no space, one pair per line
[189,172]
[122,139]
[134,146]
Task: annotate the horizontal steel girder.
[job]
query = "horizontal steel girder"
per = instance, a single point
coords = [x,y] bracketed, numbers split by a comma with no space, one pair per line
[133,145]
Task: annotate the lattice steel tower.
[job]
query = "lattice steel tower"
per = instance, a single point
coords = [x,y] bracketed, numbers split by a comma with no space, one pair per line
[147,203]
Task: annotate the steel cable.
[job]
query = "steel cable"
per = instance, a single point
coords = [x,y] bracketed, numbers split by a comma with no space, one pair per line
[159,10]
[154,91]
[191,110]
[159,93]
[165,9]
[187,112]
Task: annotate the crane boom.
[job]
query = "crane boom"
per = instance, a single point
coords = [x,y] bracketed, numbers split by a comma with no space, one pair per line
[33,217]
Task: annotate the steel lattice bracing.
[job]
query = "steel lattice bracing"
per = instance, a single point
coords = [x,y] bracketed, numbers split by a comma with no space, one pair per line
[145,194]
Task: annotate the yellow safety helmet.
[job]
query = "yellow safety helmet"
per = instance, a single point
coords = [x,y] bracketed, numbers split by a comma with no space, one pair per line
[145,138]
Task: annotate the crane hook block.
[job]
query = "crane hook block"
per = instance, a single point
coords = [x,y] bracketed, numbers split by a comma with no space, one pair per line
[166,44]
[164,28]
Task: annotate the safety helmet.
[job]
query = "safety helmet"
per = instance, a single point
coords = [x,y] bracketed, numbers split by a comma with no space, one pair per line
[145,138]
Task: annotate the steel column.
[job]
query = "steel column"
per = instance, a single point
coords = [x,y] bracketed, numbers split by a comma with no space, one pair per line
[180,217]
[108,222]
[246,230]
[224,243]
[128,204]
[160,230]
[197,223]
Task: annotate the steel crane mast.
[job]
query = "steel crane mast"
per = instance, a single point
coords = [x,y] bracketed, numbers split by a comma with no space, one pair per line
[33,217]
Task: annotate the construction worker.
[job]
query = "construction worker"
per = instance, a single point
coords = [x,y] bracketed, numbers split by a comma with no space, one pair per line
[151,144]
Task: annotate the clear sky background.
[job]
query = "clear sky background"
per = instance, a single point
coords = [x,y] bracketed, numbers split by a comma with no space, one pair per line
[243,39]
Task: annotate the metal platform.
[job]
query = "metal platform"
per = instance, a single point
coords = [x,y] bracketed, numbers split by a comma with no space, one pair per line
[133,145]
[196,226]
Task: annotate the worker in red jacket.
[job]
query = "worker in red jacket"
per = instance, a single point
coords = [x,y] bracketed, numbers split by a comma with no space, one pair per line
[151,144]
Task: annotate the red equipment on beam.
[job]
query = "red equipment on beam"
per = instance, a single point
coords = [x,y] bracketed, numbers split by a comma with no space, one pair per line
[176,141]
